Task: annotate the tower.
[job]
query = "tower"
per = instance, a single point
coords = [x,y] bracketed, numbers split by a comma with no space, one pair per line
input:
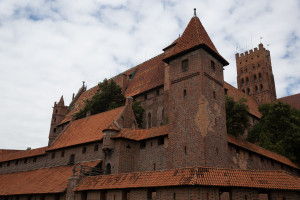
[58,114]
[255,76]
[197,120]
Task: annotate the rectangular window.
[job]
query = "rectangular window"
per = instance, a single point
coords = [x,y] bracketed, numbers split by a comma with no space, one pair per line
[34,159]
[17,162]
[62,154]
[161,141]
[83,150]
[213,66]
[96,147]
[8,163]
[25,160]
[53,155]
[184,65]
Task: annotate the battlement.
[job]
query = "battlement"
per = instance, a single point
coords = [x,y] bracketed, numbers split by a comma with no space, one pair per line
[250,52]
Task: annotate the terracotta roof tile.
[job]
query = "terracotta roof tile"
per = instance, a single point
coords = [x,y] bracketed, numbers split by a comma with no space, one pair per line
[149,75]
[259,150]
[40,181]
[22,154]
[237,95]
[86,129]
[293,100]
[196,176]
[193,36]
[142,134]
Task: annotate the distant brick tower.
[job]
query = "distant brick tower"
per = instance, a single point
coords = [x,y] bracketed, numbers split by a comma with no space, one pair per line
[197,120]
[255,76]
[59,113]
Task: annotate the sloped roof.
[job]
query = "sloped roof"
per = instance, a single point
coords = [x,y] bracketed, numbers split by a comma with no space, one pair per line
[40,181]
[259,150]
[142,134]
[237,95]
[149,75]
[86,129]
[22,154]
[193,36]
[293,100]
[196,176]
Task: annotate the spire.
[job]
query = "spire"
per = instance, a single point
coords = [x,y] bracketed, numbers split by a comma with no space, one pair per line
[195,36]
[61,101]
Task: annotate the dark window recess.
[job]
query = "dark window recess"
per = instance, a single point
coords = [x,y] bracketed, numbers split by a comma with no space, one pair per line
[161,141]
[250,155]
[261,87]
[184,93]
[247,80]
[157,92]
[262,159]
[149,120]
[248,91]
[256,89]
[214,94]
[243,91]
[8,163]
[259,76]
[54,130]
[96,147]
[225,91]
[237,150]
[83,150]
[243,82]
[42,197]
[0,164]
[185,152]
[53,155]
[246,197]
[154,166]
[184,65]
[213,66]
[145,96]
[62,154]
[143,145]
[34,159]
[72,159]
[17,162]
[272,162]
[108,168]
[255,78]
[174,196]
[25,160]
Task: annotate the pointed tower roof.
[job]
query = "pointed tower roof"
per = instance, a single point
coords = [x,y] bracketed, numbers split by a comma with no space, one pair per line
[61,101]
[193,37]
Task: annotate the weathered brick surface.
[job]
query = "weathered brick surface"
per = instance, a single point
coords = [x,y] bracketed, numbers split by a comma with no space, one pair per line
[256,63]
[197,121]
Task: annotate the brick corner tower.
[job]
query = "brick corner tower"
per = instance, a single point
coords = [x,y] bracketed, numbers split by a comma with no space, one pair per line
[196,100]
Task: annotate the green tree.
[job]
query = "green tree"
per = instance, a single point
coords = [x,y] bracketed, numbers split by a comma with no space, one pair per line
[138,112]
[109,97]
[278,130]
[237,120]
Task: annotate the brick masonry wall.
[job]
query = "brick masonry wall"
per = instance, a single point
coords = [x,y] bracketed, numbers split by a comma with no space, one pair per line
[279,195]
[244,194]
[197,121]
[47,161]
[243,159]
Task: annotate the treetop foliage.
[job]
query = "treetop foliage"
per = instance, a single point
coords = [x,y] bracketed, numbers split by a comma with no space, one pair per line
[237,120]
[278,130]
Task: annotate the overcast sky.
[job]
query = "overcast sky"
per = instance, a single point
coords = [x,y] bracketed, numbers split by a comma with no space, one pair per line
[48,47]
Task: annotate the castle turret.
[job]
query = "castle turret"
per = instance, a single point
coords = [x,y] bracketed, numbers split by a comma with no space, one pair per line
[58,114]
[196,101]
[254,75]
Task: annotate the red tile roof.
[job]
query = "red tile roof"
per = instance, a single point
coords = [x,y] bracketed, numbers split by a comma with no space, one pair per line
[237,95]
[293,100]
[40,181]
[149,75]
[86,129]
[22,154]
[142,134]
[193,36]
[196,176]
[259,150]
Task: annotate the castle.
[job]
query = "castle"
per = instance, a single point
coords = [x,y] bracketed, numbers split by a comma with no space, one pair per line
[182,151]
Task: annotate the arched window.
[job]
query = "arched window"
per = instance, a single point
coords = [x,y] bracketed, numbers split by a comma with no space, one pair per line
[108,168]
[247,80]
[255,78]
[243,91]
[246,69]
[256,89]
[243,82]
[149,120]
[258,66]
[241,70]
[253,66]
[248,91]
[261,87]
[259,75]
